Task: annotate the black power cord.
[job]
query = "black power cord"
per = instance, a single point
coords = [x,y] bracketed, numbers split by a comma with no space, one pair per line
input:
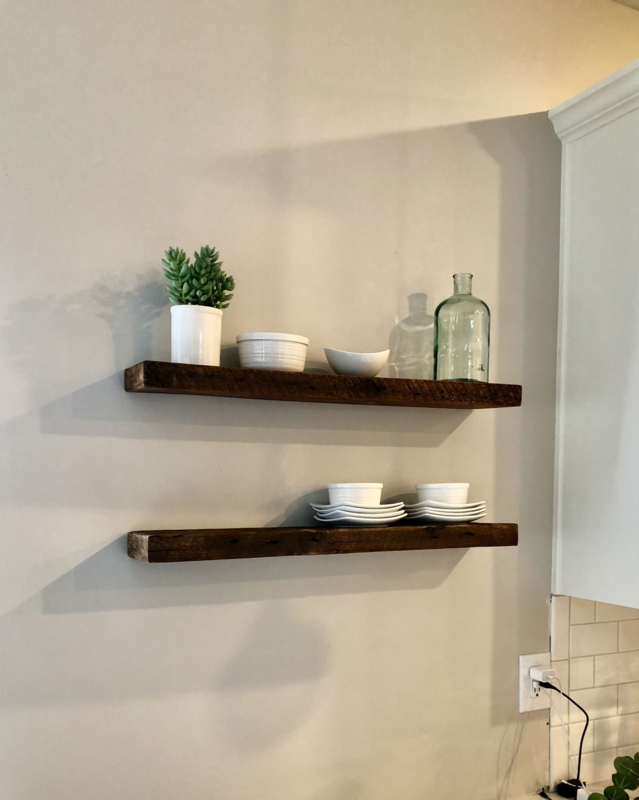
[547,685]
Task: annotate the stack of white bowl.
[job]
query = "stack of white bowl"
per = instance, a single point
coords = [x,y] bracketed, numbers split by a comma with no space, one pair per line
[445,502]
[357,504]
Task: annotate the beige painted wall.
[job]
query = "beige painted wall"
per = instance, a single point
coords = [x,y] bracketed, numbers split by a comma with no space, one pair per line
[342,155]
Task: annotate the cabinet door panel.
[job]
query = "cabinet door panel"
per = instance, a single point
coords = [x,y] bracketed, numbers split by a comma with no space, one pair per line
[597,499]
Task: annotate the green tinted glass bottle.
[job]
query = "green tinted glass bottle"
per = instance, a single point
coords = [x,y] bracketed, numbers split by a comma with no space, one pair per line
[462,335]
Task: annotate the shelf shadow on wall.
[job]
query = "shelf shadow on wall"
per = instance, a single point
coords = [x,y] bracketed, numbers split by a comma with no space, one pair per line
[110,581]
[43,664]
[104,409]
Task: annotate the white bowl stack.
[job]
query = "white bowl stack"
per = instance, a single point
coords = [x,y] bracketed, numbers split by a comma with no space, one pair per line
[445,503]
[357,504]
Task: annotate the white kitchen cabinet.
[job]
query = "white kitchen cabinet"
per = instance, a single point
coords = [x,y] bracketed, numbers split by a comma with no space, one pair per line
[596,553]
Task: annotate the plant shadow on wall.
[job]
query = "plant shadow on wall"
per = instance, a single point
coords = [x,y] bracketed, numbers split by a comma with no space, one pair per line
[51,340]
[130,314]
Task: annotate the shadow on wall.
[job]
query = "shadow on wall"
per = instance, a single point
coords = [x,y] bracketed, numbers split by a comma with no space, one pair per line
[69,644]
[110,581]
[293,655]
[105,409]
[412,342]
[529,157]
[51,341]
[77,641]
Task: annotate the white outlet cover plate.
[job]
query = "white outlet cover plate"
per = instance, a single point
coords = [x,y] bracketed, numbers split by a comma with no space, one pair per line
[528,701]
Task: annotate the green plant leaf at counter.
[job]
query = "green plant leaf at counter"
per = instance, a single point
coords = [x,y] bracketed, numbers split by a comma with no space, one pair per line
[202,283]
[625,777]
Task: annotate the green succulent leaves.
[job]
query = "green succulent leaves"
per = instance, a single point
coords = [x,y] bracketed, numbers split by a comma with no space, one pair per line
[626,777]
[202,283]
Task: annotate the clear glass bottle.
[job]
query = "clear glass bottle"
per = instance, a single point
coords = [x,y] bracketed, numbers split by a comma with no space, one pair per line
[462,335]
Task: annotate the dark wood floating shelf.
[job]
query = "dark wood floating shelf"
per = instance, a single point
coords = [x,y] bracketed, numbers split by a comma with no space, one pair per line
[161,547]
[308,387]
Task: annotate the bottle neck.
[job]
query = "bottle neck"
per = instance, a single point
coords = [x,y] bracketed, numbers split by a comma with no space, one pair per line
[463,283]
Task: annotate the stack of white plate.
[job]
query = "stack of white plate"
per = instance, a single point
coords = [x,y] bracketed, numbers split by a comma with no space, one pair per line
[445,502]
[338,514]
[357,504]
[436,511]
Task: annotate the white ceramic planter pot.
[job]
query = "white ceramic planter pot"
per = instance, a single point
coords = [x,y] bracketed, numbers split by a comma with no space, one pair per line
[196,335]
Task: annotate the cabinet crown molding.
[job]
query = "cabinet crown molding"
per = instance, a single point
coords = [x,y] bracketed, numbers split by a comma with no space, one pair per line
[602,103]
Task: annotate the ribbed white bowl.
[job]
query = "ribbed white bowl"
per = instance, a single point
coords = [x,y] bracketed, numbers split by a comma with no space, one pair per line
[365,494]
[444,492]
[283,351]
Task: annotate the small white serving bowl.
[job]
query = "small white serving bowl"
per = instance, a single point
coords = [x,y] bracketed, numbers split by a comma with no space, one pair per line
[364,365]
[283,351]
[444,492]
[365,494]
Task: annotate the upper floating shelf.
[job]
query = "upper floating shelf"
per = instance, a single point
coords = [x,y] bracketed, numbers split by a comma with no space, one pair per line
[308,387]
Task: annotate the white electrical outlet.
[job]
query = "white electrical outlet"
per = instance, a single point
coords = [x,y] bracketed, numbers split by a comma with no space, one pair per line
[531,699]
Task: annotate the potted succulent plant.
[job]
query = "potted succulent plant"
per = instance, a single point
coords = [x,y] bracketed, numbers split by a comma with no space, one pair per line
[199,292]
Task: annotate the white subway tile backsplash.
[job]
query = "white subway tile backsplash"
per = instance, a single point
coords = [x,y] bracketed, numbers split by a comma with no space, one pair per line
[560,627]
[628,699]
[599,703]
[559,704]
[595,651]
[559,767]
[598,766]
[582,673]
[616,668]
[616,731]
[581,611]
[609,613]
[594,639]
[576,730]
[629,750]
[629,635]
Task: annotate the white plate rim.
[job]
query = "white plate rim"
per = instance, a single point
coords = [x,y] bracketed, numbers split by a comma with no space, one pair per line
[337,514]
[444,506]
[438,518]
[448,516]
[359,514]
[358,506]
[453,516]
[353,524]
[356,518]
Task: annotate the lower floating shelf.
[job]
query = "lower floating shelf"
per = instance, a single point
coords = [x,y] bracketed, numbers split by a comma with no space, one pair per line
[226,543]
